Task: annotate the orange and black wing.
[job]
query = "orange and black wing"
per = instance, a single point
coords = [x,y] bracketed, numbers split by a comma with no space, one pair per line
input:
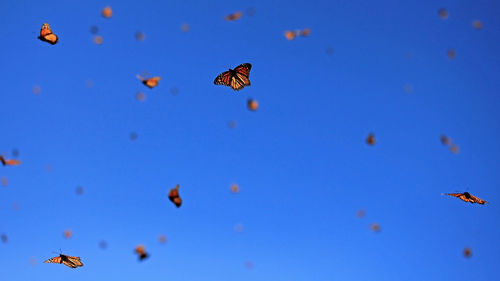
[54,260]
[47,35]
[223,79]
[70,261]
[474,199]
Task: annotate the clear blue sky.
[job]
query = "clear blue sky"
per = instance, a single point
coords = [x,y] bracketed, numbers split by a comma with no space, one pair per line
[301,160]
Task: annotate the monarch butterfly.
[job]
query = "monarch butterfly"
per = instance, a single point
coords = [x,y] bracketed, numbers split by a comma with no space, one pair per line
[150,82]
[46,34]
[467,197]
[173,195]
[237,78]
[375,227]
[445,140]
[467,252]
[9,162]
[305,32]
[232,17]
[68,261]
[141,251]
[252,105]
[370,140]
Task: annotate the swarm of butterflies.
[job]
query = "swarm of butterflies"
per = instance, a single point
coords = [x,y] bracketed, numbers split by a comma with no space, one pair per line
[236,79]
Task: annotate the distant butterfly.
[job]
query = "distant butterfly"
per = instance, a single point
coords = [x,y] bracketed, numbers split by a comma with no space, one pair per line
[232,17]
[141,251]
[173,195]
[237,78]
[68,261]
[370,140]
[252,105]
[9,162]
[46,34]
[467,197]
[150,82]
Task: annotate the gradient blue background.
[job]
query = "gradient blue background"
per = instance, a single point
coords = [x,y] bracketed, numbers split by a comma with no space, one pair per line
[301,160]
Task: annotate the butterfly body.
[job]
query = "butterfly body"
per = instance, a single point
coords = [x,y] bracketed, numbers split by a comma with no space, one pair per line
[47,35]
[236,78]
[68,261]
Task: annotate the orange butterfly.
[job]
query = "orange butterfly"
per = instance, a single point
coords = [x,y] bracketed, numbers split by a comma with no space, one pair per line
[467,197]
[107,12]
[46,34]
[9,162]
[150,82]
[252,105]
[173,195]
[69,261]
[290,35]
[234,16]
[237,78]
[141,251]
[371,139]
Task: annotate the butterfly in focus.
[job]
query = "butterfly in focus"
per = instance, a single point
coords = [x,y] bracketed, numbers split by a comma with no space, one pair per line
[9,162]
[237,78]
[68,261]
[467,197]
[141,251]
[150,82]
[173,195]
[46,34]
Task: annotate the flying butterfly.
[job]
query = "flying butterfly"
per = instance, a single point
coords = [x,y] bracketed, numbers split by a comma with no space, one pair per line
[46,34]
[173,195]
[237,79]
[68,261]
[150,82]
[467,197]
[141,251]
[9,162]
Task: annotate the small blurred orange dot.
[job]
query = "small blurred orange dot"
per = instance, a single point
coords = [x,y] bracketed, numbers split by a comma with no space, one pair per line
[361,214]
[252,105]
[455,149]
[162,238]
[370,140]
[443,13]
[98,39]
[445,140]
[375,227]
[5,181]
[235,188]
[305,32]
[290,35]
[36,89]
[477,24]
[234,16]
[451,54]
[185,27]
[140,36]
[107,12]
[140,96]
[467,252]
[68,234]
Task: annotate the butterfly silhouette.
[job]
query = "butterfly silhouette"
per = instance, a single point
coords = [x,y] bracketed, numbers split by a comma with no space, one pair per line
[173,195]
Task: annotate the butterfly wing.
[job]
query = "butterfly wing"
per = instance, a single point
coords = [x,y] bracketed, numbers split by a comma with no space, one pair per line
[54,260]
[71,261]
[46,34]
[152,82]
[223,79]
[474,199]
[11,162]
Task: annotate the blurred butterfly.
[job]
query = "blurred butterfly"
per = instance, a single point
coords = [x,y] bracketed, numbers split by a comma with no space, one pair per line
[252,105]
[173,195]
[46,34]
[68,261]
[370,140]
[234,16]
[141,251]
[467,197]
[150,82]
[9,162]
[237,79]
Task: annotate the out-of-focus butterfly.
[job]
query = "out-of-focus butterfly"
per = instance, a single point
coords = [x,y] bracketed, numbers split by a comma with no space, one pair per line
[467,252]
[68,261]
[237,78]
[9,162]
[467,197]
[252,105]
[234,16]
[46,34]
[107,12]
[173,195]
[150,82]
[370,140]
[141,251]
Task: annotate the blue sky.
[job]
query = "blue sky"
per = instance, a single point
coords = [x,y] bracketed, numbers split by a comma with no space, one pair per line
[301,160]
